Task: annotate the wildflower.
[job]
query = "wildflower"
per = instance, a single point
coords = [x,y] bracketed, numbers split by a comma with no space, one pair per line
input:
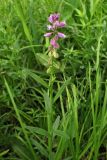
[53,28]
[53,17]
[61,35]
[48,34]
[54,43]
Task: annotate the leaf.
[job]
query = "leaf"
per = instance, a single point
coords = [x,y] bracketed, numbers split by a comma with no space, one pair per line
[19,10]
[45,60]
[37,79]
[21,149]
[56,125]
[4,152]
[37,130]
[40,147]
[47,103]
[61,89]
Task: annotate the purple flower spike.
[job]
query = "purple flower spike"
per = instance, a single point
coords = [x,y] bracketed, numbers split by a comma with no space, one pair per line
[61,35]
[53,28]
[54,43]
[53,17]
[48,34]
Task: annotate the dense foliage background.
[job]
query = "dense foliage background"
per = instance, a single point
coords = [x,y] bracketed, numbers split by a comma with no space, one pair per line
[60,114]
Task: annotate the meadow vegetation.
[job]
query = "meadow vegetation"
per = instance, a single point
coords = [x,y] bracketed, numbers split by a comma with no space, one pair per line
[57,112]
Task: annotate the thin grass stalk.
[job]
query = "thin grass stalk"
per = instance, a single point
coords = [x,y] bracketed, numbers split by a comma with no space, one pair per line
[75,112]
[50,115]
[62,106]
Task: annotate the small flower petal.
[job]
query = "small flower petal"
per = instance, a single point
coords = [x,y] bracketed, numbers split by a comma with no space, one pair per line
[60,24]
[54,43]
[57,23]
[61,35]
[48,34]
[50,19]
[53,17]
[50,27]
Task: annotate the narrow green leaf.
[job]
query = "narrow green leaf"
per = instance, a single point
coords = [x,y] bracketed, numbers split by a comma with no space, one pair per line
[40,147]
[4,152]
[19,11]
[38,79]
[37,130]
[66,83]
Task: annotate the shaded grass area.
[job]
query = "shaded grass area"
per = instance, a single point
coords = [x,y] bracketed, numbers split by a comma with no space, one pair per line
[62,114]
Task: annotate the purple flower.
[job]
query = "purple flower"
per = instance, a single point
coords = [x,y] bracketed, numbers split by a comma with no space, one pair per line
[62,24]
[56,37]
[54,43]
[58,24]
[61,35]
[55,25]
[48,34]
[50,27]
[53,17]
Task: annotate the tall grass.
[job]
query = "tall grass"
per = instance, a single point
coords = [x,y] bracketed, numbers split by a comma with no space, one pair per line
[60,114]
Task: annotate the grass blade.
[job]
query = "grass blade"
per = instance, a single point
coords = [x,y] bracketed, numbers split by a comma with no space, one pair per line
[19,118]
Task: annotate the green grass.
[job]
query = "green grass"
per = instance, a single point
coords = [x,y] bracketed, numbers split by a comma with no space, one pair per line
[58,112]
